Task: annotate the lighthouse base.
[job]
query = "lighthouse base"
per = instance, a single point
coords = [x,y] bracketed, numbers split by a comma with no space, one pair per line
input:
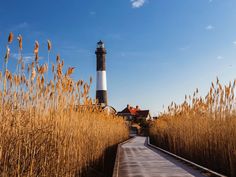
[101,96]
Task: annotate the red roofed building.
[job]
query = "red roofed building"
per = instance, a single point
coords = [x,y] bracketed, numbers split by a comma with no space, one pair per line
[135,114]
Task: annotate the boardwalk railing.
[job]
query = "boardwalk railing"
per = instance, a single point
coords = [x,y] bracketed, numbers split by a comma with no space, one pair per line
[199,167]
[119,163]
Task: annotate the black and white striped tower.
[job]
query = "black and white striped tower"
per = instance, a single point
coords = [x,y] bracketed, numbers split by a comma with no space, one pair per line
[101,91]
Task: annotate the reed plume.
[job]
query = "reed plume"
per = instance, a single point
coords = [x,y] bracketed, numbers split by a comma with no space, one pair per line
[10,38]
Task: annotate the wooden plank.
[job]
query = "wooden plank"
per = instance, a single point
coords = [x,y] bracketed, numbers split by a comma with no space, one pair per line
[135,159]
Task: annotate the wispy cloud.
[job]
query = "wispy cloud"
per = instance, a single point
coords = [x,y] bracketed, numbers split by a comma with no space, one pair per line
[138,3]
[210,1]
[92,13]
[27,28]
[27,58]
[209,27]
[20,26]
[219,57]
[114,36]
[184,48]
[122,54]
[71,49]
[234,43]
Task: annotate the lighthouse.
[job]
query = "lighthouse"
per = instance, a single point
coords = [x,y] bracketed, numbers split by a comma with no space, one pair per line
[101,88]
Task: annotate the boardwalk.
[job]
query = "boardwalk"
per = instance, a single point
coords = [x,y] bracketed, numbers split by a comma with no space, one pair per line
[138,160]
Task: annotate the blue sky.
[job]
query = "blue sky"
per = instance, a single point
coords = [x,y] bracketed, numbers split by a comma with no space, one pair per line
[158,50]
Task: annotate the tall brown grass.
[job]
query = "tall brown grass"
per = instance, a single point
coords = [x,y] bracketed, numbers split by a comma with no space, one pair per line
[51,128]
[201,129]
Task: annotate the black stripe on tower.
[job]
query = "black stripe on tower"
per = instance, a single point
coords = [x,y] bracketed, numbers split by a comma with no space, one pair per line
[101,59]
[101,96]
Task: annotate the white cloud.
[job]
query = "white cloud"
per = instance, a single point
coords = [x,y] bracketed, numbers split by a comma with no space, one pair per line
[20,26]
[123,54]
[73,49]
[234,42]
[219,57]
[138,3]
[92,13]
[114,36]
[209,27]
[27,58]
[184,48]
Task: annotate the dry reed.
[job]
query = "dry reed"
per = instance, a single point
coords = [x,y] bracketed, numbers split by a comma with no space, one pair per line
[201,129]
[51,128]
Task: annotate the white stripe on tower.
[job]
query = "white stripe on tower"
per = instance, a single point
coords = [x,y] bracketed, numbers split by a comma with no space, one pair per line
[101,80]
